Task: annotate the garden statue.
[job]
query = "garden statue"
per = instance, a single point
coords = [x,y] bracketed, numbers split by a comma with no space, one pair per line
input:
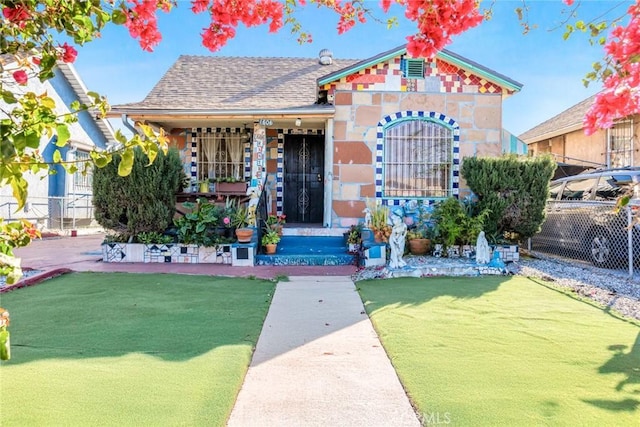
[367,217]
[396,240]
[483,254]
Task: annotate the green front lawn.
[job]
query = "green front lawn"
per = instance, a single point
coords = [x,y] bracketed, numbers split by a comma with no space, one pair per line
[130,349]
[506,351]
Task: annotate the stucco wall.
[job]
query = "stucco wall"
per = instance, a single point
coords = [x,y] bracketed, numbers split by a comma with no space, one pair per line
[576,147]
[479,117]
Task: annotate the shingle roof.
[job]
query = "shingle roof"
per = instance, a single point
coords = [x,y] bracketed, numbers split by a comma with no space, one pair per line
[237,83]
[567,121]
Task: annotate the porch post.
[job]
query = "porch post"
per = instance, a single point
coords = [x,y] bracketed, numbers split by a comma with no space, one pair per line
[258,156]
[328,172]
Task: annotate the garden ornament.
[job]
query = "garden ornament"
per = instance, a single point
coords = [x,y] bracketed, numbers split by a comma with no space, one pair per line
[397,240]
[496,261]
[367,217]
[483,254]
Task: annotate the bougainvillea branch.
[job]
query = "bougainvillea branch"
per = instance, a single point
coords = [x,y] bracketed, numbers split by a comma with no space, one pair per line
[620,96]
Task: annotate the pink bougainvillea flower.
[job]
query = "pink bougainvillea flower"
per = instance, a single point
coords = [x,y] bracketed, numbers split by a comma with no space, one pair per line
[17,15]
[226,220]
[68,53]
[21,77]
[198,6]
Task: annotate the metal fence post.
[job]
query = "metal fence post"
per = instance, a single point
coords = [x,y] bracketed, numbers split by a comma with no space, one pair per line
[630,239]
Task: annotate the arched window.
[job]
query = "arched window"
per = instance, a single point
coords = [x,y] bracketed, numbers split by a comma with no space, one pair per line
[418,159]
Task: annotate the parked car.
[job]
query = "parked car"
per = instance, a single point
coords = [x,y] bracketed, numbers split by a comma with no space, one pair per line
[581,217]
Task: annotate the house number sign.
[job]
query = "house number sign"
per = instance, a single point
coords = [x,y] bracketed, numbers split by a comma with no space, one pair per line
[266,122]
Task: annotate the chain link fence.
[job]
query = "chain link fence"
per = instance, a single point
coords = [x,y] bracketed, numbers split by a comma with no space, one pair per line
[590,231]
[52,213]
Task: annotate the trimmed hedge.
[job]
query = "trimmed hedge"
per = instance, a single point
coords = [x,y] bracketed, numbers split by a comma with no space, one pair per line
[143,201]
[514,190]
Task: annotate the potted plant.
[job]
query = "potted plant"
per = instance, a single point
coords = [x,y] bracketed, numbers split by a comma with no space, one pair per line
[354,238]
[240,220]
[419,239]
[230,185]
[270,240]
[276,223]
[380,223]
[203,185]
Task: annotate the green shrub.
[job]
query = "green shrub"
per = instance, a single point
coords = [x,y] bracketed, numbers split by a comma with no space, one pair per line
[457,223]
[143,201]
[514,191]
[198,226]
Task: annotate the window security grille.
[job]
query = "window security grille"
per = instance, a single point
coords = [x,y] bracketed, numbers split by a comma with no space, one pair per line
[620,148]
[417,160]
[220,155]
[83,178]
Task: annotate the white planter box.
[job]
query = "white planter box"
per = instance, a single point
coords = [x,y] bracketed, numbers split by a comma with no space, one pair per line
[174,253]
[508,253]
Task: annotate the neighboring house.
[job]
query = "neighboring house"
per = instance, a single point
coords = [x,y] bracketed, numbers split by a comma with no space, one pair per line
[563,136]
[327,135]
[59,196]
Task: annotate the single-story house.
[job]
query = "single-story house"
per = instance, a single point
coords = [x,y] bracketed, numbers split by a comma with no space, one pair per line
[59,200]
[328,135]
[563,136]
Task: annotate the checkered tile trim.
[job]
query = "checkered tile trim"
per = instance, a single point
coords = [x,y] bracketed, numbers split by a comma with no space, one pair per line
[194,155]
[194,149]
[417,115]
[280,172]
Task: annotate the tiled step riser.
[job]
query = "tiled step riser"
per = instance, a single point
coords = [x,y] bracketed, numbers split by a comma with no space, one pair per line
[329,260]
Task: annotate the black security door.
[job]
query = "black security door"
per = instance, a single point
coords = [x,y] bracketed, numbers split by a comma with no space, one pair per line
[303,178]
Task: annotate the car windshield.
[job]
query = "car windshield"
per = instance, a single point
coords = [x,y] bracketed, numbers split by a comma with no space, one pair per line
[610,187]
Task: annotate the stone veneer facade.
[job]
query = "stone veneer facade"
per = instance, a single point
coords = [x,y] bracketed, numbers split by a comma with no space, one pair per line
[366,101]
[477,117]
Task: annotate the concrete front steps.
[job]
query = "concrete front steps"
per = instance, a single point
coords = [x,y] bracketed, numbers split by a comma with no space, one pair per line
[302,245]
[308,249]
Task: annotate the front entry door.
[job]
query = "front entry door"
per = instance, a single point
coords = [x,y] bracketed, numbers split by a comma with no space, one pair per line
[303,191]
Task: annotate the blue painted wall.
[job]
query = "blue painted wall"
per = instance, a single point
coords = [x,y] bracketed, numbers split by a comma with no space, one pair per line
[64,90]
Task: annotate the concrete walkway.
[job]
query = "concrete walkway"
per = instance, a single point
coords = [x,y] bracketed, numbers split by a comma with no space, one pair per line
[318,362]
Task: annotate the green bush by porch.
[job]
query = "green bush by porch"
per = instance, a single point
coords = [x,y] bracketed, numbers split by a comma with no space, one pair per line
[131,349]
[506,351]
[144,201]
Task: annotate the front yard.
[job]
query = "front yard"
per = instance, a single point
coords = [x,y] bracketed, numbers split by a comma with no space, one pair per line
[506,351]
[130,349]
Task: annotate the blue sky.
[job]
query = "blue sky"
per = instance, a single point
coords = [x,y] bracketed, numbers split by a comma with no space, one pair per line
[550,68]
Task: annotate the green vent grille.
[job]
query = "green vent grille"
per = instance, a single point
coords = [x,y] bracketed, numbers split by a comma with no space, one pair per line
[415,69]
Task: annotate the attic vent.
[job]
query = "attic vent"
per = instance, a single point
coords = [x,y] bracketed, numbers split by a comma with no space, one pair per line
[326,57]
[414,68]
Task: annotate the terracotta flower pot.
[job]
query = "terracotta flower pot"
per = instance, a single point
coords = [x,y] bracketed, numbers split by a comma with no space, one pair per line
[271,248]
[419,246]
[244,235]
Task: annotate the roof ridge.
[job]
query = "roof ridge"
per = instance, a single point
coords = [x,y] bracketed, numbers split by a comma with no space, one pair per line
[261,57]
[566,113]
